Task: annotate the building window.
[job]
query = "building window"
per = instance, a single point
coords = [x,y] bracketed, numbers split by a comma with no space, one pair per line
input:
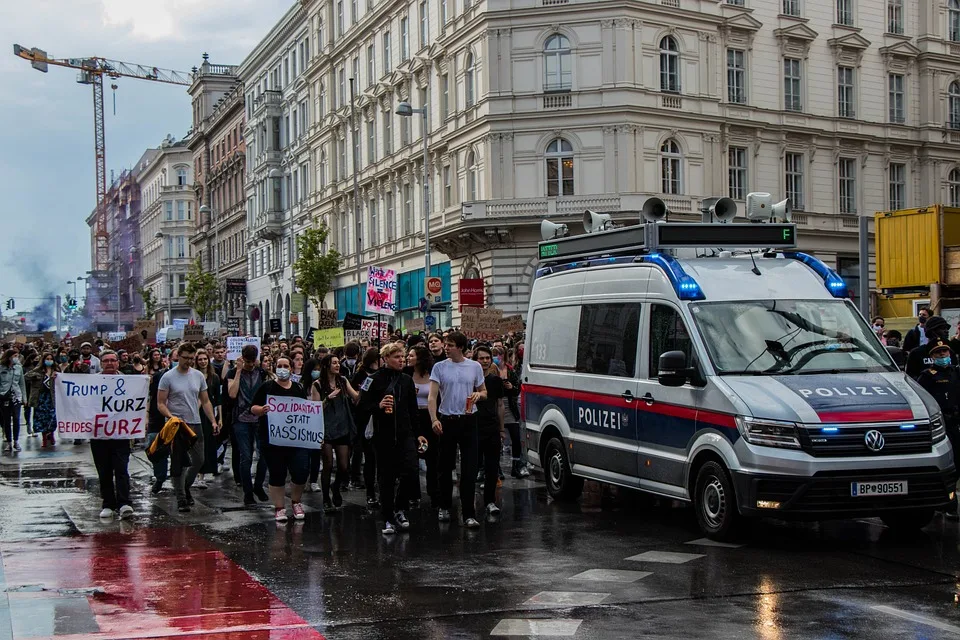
[354,12]
[322,168]
[895,16]
[181,247]
[339,18]
[793,171]
[356,73]
[371,66]
[473,178]
[737,160]
[670,161]
[559,158]
[469,80]
[447,187]
[737,3]
[424,25]
[182,177]
[896,98]
[954,21]
[387,132]
[387,60]
[168,210]
[345,232]
[374,224]
[372,138]
[845,12]
[669,65]
[736,76]
[953,105]
[847,175]
[792,85]
[953,184]
[404,39]
[342,146]
[558,72]
[342,90]
[791,8]
[846,104]
[444,96]
[443,13]
[898,186]
[389,217]
[407,209]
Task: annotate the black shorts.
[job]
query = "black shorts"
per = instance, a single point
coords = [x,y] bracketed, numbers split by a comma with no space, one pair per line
[343,441]
[281,460]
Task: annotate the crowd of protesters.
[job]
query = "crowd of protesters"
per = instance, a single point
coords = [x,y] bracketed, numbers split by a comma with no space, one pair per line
[411,405]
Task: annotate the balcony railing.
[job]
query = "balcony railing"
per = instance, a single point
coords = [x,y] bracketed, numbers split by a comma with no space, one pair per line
[557,101]
[175,188]
[268,226]
[268,158]
[953,129]
[269,100]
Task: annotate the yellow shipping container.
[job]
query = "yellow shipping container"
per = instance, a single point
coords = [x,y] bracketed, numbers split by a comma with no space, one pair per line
[917,247]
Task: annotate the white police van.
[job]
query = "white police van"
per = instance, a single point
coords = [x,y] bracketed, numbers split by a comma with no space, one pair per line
[740,378]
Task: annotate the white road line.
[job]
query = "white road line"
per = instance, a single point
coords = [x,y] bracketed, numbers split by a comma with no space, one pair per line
[707,542]
[610,575]
[566,598]
[936,624]
[514,627]
[665,557]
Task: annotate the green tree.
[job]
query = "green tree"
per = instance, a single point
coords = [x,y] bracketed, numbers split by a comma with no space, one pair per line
[203,294]
[314,269]
[150,303]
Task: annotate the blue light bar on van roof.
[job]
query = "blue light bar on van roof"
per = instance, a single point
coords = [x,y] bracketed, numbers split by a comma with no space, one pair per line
[831,279]
[685,286]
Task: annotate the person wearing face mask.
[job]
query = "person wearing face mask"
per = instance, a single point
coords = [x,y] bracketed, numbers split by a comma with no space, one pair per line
[242,382]
[935,328]
[42,379]
[13,391]
[310,374]
[878,326]
[917,337]
[941,379]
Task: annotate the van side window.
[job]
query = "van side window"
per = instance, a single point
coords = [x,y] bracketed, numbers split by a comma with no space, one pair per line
[667,333]
[607,342]
[553,338]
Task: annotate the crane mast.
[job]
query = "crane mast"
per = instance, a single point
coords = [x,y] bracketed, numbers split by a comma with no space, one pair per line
[92,70]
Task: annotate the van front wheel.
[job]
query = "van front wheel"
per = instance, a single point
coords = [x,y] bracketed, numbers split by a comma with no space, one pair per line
[715,502]
[561,483]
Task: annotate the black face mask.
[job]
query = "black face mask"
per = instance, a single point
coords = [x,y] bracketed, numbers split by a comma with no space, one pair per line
[922,320]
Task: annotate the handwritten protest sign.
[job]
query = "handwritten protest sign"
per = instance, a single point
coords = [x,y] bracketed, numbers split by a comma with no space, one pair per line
[193,333]
[132,343]
[483,324]
[328,337]
[101,407]
[235,345]
[147,330]
[328,318]
[293,422]
[511,323]
[381,291]
[415,324]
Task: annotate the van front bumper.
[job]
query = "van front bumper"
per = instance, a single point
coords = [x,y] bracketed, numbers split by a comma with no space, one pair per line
[827,494]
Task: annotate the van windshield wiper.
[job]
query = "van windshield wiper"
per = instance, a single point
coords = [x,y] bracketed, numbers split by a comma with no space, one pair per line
[810,372]
[745,372]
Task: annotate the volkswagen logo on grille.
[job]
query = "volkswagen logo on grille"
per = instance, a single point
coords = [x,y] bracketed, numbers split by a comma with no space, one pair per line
[874,440]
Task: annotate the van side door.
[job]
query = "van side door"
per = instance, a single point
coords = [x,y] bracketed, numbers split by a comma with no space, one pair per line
[604,421]
[667,419]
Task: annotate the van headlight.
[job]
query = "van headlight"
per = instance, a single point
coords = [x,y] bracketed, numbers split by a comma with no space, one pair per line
[937,429]
[769,433]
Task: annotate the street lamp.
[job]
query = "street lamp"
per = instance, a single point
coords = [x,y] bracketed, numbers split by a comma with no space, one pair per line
[205,211]
[160,235]
[406,110]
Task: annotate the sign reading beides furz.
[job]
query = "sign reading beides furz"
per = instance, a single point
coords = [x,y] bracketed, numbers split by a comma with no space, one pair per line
[293,422]
[101,407]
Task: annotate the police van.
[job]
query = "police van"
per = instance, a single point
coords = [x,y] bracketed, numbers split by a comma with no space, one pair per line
[714,363]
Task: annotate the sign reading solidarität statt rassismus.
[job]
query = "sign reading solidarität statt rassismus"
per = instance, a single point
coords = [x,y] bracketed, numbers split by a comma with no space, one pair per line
[101,407]
[292,422]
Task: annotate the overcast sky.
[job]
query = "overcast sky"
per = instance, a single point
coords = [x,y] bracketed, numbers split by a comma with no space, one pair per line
[47,137]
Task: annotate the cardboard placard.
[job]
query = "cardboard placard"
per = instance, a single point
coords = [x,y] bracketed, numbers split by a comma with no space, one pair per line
[131,344]
[147,330]
[328,319]
[193,333]
[479,323]
[89,336]
[511,323]
[49,336]
[417,324]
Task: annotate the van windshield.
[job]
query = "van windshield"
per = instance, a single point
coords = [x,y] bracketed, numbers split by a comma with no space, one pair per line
[789,337]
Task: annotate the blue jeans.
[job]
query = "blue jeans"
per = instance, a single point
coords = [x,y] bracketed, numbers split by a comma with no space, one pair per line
[160,464]
[247,437]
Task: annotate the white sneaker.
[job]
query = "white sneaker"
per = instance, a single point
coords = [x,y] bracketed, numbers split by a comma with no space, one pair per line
[492,509]
[106,513]
[388,529]
[471,523]
[314,487]
[126,512]
[199,483]
[281,515]
[219,469]
[16,446]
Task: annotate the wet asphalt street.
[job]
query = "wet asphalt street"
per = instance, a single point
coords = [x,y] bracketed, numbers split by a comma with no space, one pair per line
[614,565]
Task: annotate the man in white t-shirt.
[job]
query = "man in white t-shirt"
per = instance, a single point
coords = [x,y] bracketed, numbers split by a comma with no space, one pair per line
[458,382]
[180,394]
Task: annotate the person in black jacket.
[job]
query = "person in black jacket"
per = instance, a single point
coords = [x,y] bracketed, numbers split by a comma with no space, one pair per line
[917,336]
[363,465]
[390,396]
[941,380]
[937,329]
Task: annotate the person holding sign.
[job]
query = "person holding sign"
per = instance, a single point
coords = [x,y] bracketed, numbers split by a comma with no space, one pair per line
[282,460]
[336,393]
[112,459]
[391,397]
[180,394]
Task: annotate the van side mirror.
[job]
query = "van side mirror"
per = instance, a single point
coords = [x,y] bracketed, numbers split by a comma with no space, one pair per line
[899,356]
[672,369]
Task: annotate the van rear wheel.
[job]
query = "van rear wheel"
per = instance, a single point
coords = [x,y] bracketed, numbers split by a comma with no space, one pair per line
[561,483]
[715,502]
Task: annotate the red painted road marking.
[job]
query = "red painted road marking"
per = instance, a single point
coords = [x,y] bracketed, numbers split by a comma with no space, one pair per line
[155,583]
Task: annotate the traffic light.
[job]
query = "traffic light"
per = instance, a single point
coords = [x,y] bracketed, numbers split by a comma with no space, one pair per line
[72,303]
[11,304]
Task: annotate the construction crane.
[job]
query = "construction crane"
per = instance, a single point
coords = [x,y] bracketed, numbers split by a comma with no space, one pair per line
[92,71]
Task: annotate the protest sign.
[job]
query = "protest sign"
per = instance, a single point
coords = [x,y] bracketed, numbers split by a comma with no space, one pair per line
[416,324]
[115,336]
[328,337]
[132,343]
[180,323]
[147,330]
[235,345]
[193,333]
[483,324]
[49,336]
[292,422]
[89,336]
[101,407]
[511,323]
[381,291]
[328,319]
[20,339]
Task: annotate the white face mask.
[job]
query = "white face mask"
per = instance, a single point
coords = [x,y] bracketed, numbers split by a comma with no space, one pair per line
[283,374]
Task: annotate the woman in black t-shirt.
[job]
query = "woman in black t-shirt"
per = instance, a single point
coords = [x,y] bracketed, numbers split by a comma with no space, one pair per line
[338,396]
